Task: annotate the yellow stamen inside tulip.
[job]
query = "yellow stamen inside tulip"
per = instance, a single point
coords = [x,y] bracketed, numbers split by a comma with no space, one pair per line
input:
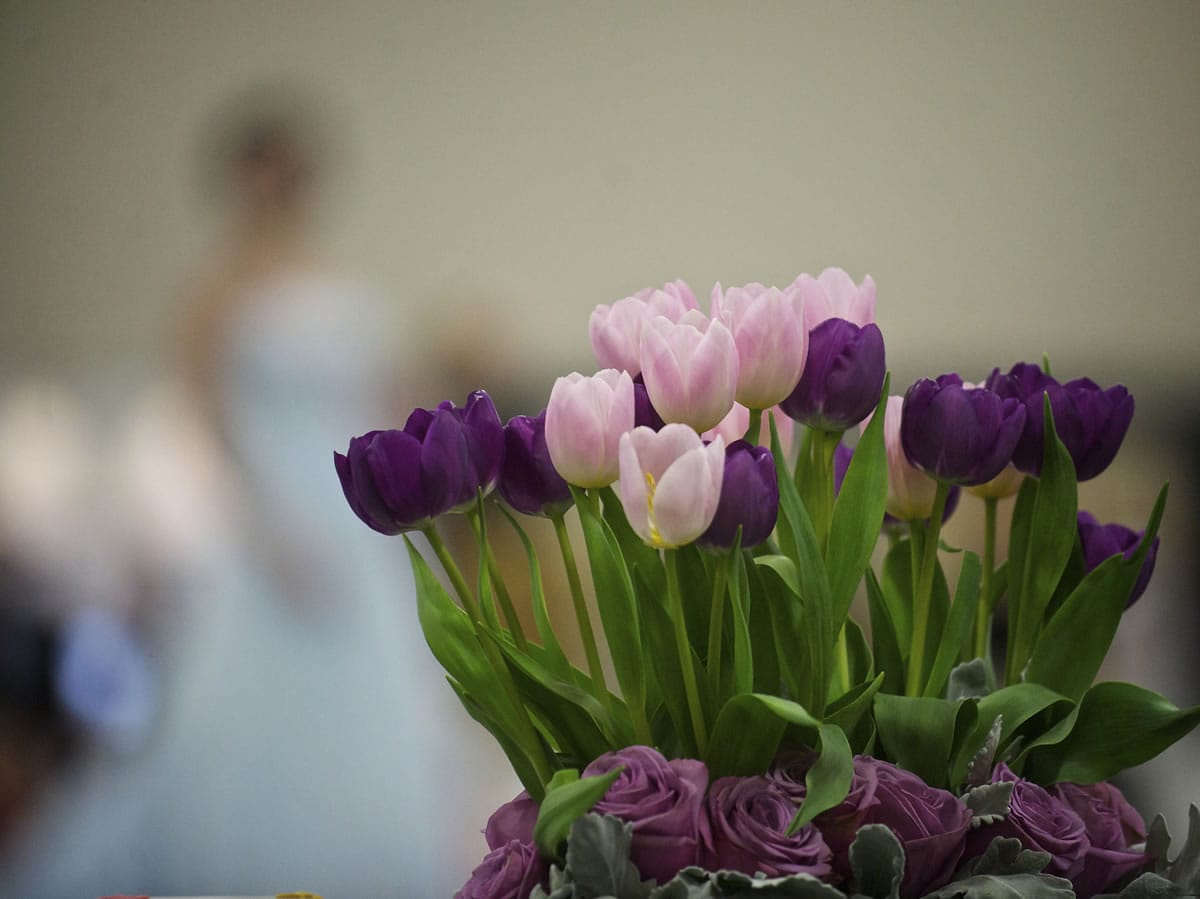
[655,537]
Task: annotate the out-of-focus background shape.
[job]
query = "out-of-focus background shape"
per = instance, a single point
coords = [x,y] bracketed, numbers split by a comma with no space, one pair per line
[1018,178]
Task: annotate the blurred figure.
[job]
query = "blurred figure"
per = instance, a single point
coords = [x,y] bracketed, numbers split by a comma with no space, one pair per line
[305,735]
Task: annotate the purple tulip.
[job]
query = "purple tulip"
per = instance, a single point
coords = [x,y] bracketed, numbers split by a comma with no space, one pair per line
[749,817]
[399,481]
[529,481]
[956,434]
[749,498]
[663,800]
[644,413]
[1041,822]
[1090,421]
[483,433]
[931,824]
[1113,827]
[842,378]
[512,821]
[1100,541]
[510,871]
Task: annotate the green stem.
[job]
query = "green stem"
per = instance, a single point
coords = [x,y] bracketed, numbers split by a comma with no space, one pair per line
[824,446]
[923,597]
[465,594]
[715,625]
[493,567]
[530,743]
[984,614]
[581,614]
[752,431]
[675,608]
[803,461]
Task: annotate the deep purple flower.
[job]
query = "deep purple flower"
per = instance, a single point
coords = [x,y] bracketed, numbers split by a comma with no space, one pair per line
[510,871]
[749,817]
[401,480]
[644,413]
[837,825]
[842,455]
[663,800]
[512,821]
[965,436]
[485,438]
[842,378]
[529,482]
[931,824]
[1103,540]
[1113,826]
[1090,421]
[749,498]
[1041,822]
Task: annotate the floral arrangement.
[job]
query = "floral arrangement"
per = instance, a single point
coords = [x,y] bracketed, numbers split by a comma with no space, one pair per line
[732,475]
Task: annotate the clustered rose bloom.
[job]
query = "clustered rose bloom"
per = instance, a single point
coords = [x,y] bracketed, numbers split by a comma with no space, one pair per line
[740,824]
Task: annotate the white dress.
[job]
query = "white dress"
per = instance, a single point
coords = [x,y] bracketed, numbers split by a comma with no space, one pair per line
[308,740]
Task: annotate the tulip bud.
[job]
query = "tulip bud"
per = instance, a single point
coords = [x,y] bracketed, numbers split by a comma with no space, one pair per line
[690,368]
[833,294]
[644,413]
[1090,421]
[772,342]
[530,483]
[1100,541]
[910,491]
[670,483]
[749,498]
[842,378]
[584,423]
[959,435]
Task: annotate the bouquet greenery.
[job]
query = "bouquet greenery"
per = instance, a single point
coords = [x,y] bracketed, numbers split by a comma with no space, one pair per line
[749,738]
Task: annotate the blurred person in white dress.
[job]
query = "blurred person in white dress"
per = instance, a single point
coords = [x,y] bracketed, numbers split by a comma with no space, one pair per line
[306,738]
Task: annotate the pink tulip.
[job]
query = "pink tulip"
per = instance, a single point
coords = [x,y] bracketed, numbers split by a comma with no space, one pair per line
[670,483]
[772,341]
[616,331]
[690,369]
[833,294]
[910,490]
[584,423]
[734,426]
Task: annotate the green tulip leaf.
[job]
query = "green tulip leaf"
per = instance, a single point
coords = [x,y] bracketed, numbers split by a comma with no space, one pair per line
[1114,727]
[958,626]
[1087,620]
[857,515]
[568,797]
[889,657]
[556,659]
[1043,544]
[921,733]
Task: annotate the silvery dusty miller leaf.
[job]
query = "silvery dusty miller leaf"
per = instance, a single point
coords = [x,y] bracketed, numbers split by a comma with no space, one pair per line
[598,859]
[967,680]
[1005,856]
[1013,886]
[979,771]
[877,860]
[988,803]
[1148,886]
[1185,870]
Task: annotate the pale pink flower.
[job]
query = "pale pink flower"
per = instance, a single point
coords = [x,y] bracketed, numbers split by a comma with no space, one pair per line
[616,331]
[585,419]
[771,338]
[833,294]
[690,368]
[670,483]
[910,491]
[734,426]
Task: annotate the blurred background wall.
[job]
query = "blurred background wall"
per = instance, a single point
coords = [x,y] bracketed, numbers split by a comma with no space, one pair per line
[1018,178]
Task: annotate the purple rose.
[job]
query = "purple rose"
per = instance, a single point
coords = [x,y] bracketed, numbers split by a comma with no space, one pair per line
[1112,826]
[749,817]
[664,801]
[512,821]
[931,824]
[1041,822]
[510,871]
